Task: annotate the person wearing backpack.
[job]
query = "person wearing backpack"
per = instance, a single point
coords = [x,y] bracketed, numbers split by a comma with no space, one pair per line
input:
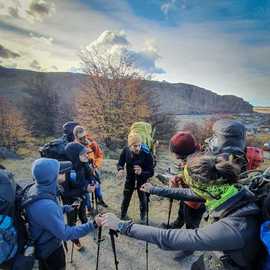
[47,227]
[229,138]
[79,183]
[139,168]
[95,156]
[232,231]
[183,144]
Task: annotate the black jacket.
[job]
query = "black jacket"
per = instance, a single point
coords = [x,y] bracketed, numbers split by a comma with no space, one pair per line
[143,159]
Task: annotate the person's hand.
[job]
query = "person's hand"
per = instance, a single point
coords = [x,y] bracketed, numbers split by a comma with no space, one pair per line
[146,187]
[110,221]
[91,188]
[137,169]
[175,182]
[120,174]
[98,219]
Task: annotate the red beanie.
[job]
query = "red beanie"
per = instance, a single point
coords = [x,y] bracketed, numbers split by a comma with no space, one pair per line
[183,143]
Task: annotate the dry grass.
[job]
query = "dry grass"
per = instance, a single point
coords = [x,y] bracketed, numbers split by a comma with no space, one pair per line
[261,109]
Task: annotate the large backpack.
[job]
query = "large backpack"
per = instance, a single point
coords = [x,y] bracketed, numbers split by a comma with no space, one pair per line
[54,149]
[146,133]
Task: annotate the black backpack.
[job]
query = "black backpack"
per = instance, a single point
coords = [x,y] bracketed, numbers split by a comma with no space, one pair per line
[54,149]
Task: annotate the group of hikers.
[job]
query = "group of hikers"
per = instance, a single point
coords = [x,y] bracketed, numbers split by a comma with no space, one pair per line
[217,212]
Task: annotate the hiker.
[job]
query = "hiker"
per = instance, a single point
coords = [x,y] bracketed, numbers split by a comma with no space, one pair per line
[95,157]
[68,129]
[233,226]
[46,221]
[229,138]
[183,144]
[79,182]
[139,168]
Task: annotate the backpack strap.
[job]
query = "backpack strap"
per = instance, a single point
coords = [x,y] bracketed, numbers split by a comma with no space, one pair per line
[32,199]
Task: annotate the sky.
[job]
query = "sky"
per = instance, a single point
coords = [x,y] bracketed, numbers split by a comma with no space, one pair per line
[220,45]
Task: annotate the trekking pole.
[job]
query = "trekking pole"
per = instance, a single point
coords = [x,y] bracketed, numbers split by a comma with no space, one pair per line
[76,205]
[98,249]
[169,214]
[72,248]
[112,234]
[147,223]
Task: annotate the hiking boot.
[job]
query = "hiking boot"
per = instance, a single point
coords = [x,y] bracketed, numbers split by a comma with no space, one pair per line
[143,220]
[182,254]
[102,203]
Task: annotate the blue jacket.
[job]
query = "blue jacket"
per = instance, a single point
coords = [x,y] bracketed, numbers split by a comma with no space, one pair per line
[45,216]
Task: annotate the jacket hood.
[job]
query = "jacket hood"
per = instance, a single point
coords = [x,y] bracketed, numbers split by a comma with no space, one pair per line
[73,151]
[241,204]
[229,136]
[45,172]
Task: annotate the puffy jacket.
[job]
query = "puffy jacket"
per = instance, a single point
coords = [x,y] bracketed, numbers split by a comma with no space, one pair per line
[235,235]
[143,159]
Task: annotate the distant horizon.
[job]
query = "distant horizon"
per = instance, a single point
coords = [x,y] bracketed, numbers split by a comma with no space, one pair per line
[254,105]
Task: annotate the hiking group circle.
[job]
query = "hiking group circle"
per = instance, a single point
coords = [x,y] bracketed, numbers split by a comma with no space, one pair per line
[218,181]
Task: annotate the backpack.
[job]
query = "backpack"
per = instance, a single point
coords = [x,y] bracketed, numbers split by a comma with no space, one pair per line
[8,233]
[147,134]
[254,156]
[54,149]
[258,182]
[14,236]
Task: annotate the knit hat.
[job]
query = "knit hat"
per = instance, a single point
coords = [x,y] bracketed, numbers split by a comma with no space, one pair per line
[134,138]
[183,143]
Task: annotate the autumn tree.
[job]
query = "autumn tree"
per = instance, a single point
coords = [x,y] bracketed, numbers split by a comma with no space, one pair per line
[12,126]
[112,97]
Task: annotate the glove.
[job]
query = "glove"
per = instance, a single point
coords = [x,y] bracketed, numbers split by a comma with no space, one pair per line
[110,221]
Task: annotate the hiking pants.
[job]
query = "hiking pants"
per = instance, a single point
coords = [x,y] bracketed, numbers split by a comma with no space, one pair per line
[56,261]
[127,195]
[190,216]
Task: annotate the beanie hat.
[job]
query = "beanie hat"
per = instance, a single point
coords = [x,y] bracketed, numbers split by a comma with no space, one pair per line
[183,143]
[134,138]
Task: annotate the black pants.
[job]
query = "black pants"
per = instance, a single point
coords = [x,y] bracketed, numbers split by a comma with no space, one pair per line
[189,216]
[56,261]
[127,195]
[72,216]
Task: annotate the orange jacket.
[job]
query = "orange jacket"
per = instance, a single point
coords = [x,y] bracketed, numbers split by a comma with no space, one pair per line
[95,154]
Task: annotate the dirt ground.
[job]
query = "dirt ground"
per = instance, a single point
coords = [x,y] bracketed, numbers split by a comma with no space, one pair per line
[130,252]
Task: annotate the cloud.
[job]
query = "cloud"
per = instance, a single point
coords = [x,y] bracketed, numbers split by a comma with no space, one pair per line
[41,40]
[116,45]
[29,10]
[6,53]
[35,65]
[168,6]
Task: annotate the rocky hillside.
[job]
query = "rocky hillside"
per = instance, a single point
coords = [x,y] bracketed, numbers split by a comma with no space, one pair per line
[178,98]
